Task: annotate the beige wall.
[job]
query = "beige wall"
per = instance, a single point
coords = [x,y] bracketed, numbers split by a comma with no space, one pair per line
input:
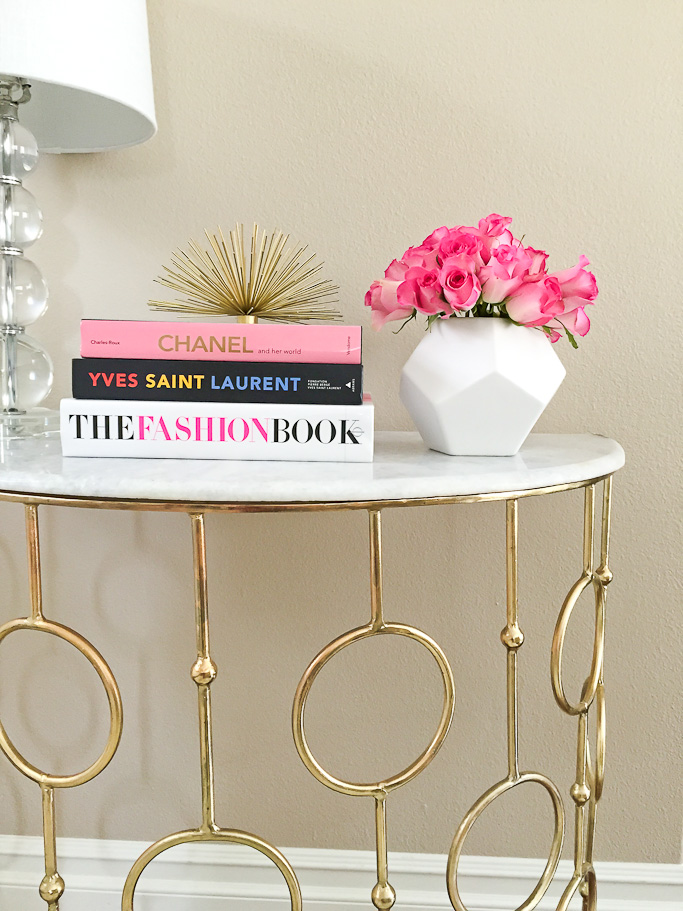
[359,126]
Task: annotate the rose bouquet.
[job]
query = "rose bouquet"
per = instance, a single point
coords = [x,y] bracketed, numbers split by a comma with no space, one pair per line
[484,271]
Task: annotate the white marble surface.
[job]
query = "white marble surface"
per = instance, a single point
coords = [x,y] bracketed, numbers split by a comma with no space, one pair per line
[404,468]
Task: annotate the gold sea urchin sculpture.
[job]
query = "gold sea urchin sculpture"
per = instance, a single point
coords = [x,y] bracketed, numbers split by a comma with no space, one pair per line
[276,283]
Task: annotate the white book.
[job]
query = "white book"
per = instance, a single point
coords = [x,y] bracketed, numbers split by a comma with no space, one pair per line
[210,430]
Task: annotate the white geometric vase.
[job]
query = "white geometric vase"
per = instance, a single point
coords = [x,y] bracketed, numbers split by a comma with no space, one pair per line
[476,386]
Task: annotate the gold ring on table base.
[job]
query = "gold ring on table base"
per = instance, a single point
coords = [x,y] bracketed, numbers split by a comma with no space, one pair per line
[113,696]
[596,769]
[383,894]
[314,668]
[591,684]
[486,799]
[229,836]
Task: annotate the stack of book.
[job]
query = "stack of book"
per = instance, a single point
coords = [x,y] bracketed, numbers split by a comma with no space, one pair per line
[145,389]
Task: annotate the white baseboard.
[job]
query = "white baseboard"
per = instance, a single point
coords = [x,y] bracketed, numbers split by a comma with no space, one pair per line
[226,878]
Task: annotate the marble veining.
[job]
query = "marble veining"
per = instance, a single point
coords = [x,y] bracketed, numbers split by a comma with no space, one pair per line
[404,468]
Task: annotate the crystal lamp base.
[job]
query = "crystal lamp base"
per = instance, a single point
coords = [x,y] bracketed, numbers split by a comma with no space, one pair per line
[38,422]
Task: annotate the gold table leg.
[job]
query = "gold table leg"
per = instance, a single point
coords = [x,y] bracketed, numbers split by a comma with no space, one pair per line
[52,885]
[383,894]
[587,788]
[512,638]
[590,775]
[203,673]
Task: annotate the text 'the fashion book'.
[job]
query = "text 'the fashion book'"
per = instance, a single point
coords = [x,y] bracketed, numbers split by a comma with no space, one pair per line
[207,430]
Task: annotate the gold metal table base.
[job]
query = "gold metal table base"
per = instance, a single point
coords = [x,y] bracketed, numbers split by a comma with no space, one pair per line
[585,792]
[587,788]
[52,885]
[383,894]
[512,638]
[203,673]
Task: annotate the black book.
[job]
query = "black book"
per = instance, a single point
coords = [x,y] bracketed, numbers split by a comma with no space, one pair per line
[217,381]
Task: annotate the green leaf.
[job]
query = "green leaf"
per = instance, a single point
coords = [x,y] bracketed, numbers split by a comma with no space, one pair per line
[572,340]
[412,316]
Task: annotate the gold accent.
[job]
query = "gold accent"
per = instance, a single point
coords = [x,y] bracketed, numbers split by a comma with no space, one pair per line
[275,283]
[512,638]
[587,578]
[383,894]
[591,684]
[603,571]
[190,506]
[203,674]
[586,790]
[596,774]
[52,886]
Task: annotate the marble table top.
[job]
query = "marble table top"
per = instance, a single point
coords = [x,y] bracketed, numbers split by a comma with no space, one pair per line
[404,468]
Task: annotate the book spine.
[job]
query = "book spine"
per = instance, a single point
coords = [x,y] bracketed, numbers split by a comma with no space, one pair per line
[217,381]
[199,430]
[313,344]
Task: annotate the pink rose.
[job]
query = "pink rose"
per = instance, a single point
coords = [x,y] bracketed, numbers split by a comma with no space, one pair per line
[578,285]
[492,243]
[461,286]
[494,225]
[493,232]
[382,297]
[485,270]
[396,270]
[459,242]
[538,259]
[536,301]
[512,258]
[421,291]
[504,272]
[578,289]
[435,237]
[575,321]
[424,256]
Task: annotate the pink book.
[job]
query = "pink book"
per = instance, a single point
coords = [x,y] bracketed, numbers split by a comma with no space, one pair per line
[311,344]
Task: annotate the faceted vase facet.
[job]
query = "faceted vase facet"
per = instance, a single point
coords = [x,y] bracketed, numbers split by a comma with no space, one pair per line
[477,386]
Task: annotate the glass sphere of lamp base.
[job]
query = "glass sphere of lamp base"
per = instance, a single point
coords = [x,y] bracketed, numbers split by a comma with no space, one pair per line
[26,372]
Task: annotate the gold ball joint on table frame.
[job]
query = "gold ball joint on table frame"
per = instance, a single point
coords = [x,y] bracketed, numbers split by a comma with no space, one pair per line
[585,792]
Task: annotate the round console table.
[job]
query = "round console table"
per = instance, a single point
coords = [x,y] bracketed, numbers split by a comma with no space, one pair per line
[405,473]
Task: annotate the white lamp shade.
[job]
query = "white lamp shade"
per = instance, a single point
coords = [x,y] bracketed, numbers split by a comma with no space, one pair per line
[89,68]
